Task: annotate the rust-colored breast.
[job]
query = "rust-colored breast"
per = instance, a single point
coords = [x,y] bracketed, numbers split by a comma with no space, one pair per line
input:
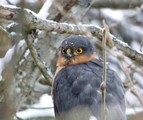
[63,62]
[75,60]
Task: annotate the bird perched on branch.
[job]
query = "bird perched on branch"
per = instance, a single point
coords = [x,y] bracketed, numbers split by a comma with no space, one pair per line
[77,92]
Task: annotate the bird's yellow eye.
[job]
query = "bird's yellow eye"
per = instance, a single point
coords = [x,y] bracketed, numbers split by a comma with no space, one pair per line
[79,51]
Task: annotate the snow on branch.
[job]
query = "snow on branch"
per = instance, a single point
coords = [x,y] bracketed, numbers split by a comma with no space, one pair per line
[30,21]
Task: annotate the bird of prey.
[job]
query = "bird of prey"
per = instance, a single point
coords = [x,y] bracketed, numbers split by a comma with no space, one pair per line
[77,93]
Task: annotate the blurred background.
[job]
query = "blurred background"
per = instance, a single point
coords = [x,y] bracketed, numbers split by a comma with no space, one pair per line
[24,92]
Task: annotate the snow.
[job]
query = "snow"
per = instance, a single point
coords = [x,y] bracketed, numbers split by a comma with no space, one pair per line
[92,118]
[135,45]
[45,109]
[133,111]
[44,10]
[16,1]
[117,15]
[42,109]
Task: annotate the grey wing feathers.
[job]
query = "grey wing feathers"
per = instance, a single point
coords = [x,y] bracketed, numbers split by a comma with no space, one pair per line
[79,85]
[115,95]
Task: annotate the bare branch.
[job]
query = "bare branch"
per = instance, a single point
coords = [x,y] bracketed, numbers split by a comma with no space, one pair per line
[117,4]
[39,63]
[7,109]
[103,87]
[5,41]
[68,4]
[133,89]
[134,92]
[32,21]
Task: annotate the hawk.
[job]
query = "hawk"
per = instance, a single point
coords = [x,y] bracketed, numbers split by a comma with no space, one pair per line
[77,93]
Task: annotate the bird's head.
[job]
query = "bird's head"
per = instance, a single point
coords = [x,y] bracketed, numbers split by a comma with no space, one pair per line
[75,50]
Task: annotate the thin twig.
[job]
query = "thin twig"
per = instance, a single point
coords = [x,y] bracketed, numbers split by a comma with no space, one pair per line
[22,56]
[117,4]
[104,69]
[39,63]
[67,6]
[87,9]
[133,91]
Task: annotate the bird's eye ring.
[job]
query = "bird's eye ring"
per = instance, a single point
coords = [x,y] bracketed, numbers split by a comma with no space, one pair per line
[79,51]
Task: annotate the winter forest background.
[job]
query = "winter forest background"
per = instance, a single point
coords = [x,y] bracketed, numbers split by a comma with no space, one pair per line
[29,44]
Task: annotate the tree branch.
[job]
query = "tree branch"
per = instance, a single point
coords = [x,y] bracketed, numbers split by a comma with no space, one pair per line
[68,4]
[105,31]
[36,58]
[117,4]
[32,21]
[5,41]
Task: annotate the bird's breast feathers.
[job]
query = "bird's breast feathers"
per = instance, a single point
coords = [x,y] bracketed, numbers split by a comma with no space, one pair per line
[79,85]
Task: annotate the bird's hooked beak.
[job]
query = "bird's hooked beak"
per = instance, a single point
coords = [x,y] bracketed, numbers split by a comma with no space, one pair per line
[68,54]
